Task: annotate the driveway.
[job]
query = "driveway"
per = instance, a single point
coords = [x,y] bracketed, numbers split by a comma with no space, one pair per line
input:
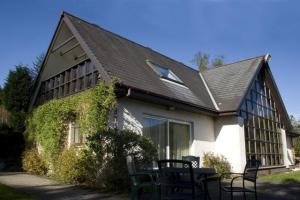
[45,189]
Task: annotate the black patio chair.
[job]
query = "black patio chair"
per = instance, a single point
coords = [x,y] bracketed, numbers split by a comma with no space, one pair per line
[249,175]
[139,181]
[177,181]
[193,159]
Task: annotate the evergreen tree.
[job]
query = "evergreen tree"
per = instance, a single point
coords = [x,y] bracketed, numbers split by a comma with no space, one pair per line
[16,95]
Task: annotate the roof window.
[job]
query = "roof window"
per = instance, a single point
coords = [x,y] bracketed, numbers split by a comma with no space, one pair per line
[164,72]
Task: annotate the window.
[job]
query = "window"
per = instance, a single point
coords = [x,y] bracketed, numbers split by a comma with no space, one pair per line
[164,72]
[171,138]
[74,79]
[262,125]
[75,137]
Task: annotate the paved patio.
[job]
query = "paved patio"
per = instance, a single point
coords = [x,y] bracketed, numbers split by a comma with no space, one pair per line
[45,189]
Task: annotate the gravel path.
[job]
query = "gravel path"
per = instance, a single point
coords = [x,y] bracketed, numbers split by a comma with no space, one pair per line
[45,189]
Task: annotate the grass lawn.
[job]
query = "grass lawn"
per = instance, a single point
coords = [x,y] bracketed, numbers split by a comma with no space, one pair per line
[290,177]
[7,193]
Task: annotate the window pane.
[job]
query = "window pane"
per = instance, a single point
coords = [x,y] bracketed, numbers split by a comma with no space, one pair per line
[179,140]
[156,130]
[89,67]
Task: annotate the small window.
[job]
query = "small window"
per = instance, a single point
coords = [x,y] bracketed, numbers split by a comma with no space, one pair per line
[75,137]
[164,72]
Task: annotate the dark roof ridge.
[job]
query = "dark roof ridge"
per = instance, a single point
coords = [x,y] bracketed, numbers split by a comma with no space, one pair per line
[261,56]
[97,26]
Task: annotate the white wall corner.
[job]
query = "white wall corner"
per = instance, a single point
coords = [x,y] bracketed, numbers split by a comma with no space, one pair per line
[287,152]
[230,141]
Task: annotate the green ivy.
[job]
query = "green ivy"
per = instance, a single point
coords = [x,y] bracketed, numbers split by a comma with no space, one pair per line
[47,125]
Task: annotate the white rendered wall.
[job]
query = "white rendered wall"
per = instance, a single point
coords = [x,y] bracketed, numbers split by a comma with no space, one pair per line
[230,141]
[289,146]
[287,149]
[131,114]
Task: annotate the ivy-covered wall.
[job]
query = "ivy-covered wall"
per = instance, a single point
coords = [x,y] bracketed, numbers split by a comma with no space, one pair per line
[47,125]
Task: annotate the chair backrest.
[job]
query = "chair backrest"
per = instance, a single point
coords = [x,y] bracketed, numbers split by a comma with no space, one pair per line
[193,159]
[175,174]
[131,170]
[251,169]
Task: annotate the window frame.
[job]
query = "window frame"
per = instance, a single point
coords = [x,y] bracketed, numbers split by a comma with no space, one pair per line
[71,79]
[263,117]
[169,120]
[154,67]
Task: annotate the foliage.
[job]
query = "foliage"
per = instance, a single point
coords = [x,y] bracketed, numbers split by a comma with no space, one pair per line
[48,123]
[33,162]
[16,95]
[36,65]
[202,60]
[219,162]
[70,167]
[218,61]
[8,193]
[1,95]
[290,177]
[111,148]
[296,141]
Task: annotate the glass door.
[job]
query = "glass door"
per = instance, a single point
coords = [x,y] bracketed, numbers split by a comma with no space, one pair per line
[179,140]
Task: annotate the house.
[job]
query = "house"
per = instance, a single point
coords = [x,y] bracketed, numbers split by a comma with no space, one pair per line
[234,110]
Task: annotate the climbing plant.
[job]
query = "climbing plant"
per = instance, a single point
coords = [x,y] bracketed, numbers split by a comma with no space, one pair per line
[47,125]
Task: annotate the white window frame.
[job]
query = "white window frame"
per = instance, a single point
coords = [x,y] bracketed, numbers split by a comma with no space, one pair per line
[190,124]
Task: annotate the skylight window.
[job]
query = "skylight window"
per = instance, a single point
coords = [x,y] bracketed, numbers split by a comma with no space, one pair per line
[165,73]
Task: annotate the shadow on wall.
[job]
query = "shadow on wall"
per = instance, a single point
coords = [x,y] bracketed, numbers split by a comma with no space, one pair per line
[222,122]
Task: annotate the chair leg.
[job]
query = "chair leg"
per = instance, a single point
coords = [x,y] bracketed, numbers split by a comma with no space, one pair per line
[134,193]
[255,193]
[231,195]
[157,193]
[244,195]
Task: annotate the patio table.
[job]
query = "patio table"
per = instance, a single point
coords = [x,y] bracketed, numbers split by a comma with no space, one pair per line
[198,173]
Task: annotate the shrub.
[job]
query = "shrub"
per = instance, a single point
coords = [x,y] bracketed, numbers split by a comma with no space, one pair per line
[33,162]
[70,167]
[111,148]
[219,162]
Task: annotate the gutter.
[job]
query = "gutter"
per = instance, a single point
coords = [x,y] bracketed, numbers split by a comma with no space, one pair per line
[135,93]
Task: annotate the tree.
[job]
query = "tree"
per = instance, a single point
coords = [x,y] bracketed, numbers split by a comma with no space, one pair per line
[218,61]
[37,64]
[296,141]
[17,92]
[1,95]
[203,61]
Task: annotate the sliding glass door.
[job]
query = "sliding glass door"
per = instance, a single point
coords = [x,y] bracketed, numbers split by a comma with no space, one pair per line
[171,138]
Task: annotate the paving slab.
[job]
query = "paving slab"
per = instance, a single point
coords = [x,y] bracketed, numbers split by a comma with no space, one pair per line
[45,189]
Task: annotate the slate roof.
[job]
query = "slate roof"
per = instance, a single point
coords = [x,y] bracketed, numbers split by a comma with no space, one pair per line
[126,60]
[229,83]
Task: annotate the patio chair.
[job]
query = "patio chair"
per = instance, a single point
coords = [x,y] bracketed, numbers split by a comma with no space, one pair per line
[193,159]
[249,175]
[138,183]
[176,180]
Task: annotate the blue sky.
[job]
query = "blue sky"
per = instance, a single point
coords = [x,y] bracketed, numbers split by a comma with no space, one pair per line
[176,28]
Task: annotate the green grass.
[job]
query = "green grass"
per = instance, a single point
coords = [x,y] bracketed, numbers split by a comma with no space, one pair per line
[7,193]
[289,177]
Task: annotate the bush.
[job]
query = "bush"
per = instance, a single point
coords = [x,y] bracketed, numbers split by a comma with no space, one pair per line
[111,148]
[296,145]
[219,162]
[70,167]
[33,162]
